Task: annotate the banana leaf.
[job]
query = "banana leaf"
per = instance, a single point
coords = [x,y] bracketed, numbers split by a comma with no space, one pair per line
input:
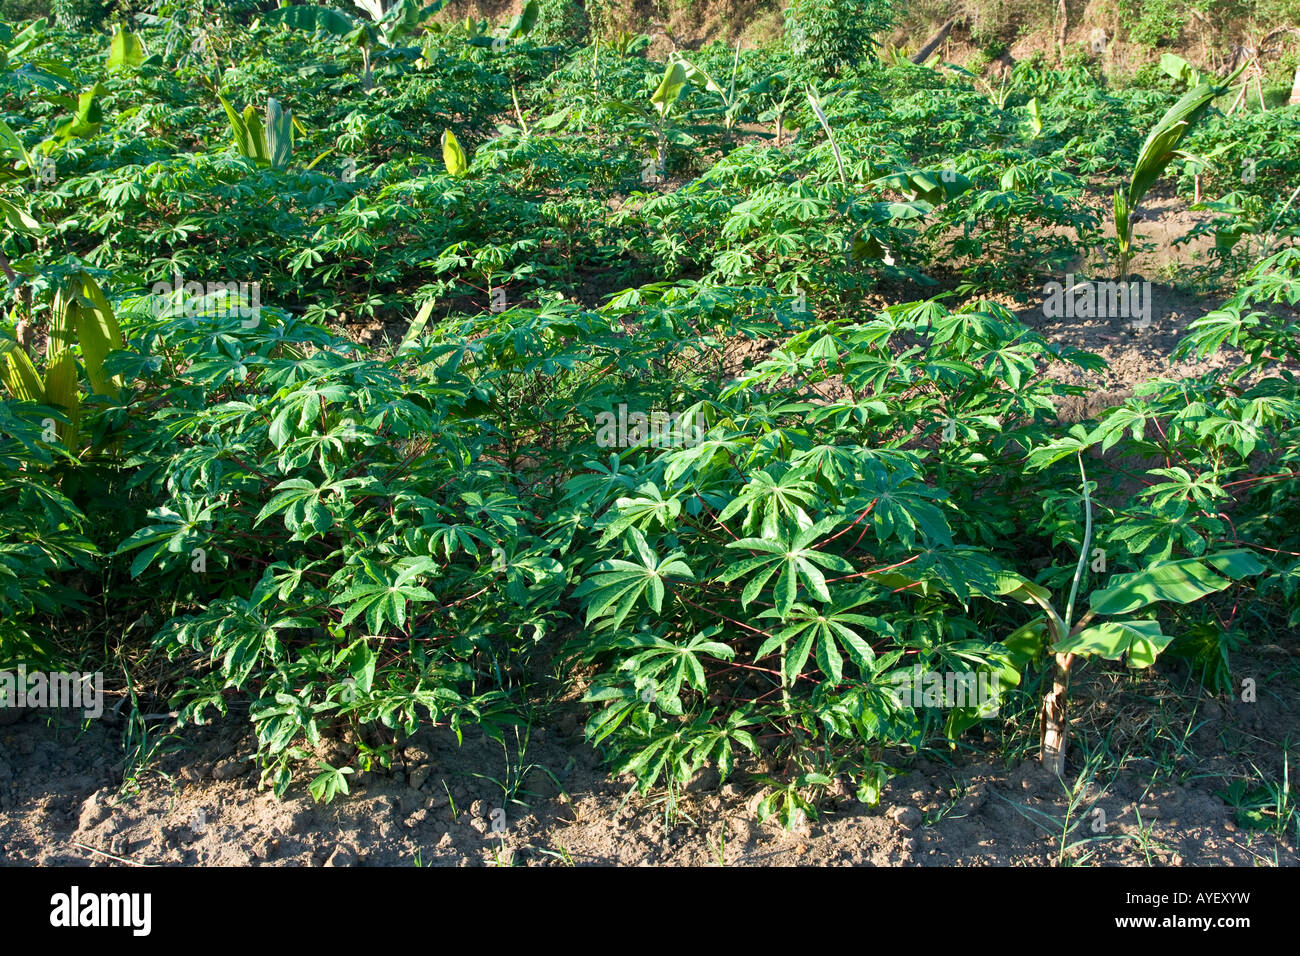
[452,155]
[19,375]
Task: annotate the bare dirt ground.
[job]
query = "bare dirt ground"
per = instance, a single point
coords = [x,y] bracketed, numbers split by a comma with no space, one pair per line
[1161,772]
[1150,783]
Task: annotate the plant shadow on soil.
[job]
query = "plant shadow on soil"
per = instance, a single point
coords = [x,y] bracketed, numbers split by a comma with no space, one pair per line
[1150,781]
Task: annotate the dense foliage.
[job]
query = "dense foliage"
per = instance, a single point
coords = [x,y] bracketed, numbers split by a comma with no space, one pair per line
[555,446]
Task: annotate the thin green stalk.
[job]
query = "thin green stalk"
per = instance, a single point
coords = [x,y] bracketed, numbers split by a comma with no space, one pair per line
[1083,553]
[821,118]
[1268,242]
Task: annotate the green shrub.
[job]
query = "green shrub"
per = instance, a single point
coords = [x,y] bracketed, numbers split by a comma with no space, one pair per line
[43,537]
[16,11]
[563,22]
[80,14]
[1153,22]
[327,536]
[828,36]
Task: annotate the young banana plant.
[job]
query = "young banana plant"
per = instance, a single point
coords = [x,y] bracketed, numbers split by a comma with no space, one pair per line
[384,29]
[268,143]
[1160,147]
[780,91]
[662,99]
[126,52]
[731,103]
[1139,641]
[83,317]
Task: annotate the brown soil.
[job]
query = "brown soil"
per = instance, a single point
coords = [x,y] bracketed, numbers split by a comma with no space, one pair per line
[61,801]
[670,26]
[1027,30]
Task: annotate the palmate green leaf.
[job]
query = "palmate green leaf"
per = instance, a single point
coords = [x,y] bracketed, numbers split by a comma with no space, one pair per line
[1120,419]
[666,752]
[796,560]
[535,579]
[495,509]
[1076,441]
[1182,581]
[960,571]
[788,804]
[649,507]
[774,495]
[448,539]
[679,750]
[827,631]
[242,655]
[605,720]
[300,500]
[329,783]
[383,594]
[288,582]
[1142,642]
[169,531]
[614,587]
[1154,535]
[903,506]
[1217,431]
[246,637]
[299,409]
[286,719]
[839,463]
[666,667]
[1181,486]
